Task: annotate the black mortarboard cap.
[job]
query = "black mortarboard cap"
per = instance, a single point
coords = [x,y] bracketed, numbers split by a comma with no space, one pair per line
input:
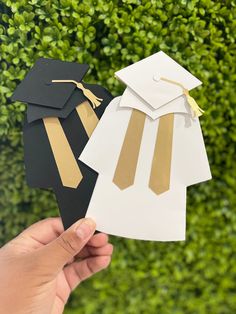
[38,90]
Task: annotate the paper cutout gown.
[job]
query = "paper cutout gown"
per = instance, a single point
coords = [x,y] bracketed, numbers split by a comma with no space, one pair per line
[137,212]
[41,169]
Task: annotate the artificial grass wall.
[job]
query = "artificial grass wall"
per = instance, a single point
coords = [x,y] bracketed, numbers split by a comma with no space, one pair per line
[193,277]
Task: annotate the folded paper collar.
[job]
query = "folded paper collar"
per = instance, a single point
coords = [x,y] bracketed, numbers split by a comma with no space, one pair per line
[87,93]
[130,99]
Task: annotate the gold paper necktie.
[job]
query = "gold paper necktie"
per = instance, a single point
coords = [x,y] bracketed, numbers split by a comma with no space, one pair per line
[159,181]
[88,117]
[67,166]
[127,163]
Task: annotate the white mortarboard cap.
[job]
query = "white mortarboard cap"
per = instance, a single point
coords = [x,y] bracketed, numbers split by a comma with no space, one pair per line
[144,79]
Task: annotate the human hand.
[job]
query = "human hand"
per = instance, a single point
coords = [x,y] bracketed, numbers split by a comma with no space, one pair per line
[38,269]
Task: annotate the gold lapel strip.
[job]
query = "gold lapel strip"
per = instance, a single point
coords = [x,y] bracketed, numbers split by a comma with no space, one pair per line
[67,166]
[88,117]
[159,181]
[127,163]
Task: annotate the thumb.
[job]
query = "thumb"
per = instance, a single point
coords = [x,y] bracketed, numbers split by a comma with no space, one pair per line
[61,250]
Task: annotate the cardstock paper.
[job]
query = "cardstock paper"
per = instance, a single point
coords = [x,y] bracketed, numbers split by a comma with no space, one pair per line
[161,163]
[131,100]
[126,165]
[67,166]
[137,212]
[41,168]
[40,89]
[88,117]
[143,78]
[57,126]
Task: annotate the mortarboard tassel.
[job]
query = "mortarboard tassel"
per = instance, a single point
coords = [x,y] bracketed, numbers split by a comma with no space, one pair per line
[88,94]
[95,101]
[196,110]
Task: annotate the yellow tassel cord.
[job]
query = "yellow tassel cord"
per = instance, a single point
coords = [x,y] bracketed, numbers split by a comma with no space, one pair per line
[95,101]
[196,110]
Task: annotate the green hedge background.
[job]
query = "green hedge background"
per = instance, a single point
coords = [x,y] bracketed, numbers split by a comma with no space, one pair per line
[193,277]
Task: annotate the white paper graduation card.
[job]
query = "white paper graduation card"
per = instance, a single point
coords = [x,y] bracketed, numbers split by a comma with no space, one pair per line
[147,149]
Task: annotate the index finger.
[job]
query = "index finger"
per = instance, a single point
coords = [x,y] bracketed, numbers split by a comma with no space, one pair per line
[44,231]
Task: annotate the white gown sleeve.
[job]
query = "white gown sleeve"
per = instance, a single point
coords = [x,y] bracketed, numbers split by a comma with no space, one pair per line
[190,163]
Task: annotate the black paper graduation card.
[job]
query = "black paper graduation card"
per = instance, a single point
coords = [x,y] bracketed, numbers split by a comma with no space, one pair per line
[62,112]
[149,149]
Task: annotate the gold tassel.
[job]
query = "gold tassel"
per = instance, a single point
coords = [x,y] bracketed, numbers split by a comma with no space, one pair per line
[87,93]
[95,101]
[197,111]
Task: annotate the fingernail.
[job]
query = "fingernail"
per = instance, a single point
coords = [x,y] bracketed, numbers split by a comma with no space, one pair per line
[85,227]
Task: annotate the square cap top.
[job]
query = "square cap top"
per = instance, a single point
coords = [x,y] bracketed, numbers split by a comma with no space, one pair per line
[37,87]
[147,79]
